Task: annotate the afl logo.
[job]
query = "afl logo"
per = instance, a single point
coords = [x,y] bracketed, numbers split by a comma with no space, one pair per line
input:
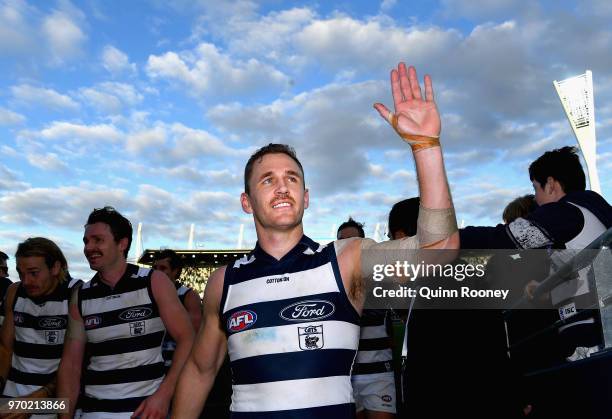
[241,320]
[92,322]
[52,323]
[308,310]
[386,398]
[135,313]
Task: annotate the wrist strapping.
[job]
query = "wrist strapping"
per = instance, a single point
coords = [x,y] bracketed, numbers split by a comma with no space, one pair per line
[417,142]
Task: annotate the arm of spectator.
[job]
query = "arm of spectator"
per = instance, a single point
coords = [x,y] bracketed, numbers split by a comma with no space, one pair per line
[7,335]
[206,357]
[556,222]
[193,304]
[486,238]
[177,323]
[69,371]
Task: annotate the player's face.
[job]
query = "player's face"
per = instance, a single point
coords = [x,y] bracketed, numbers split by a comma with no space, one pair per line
[277,196]
[100,247]
[3,268]
[164,266]
[36,277]
[541,195]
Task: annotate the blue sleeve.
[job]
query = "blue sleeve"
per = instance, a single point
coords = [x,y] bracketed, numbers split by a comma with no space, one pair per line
[486,238]
[560,221]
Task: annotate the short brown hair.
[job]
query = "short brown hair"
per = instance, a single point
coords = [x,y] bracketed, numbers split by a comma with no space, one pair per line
[519,207]
[43,247]
[269,149]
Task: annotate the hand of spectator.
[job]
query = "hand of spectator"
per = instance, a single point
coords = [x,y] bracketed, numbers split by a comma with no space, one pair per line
[414,114]
[153,407]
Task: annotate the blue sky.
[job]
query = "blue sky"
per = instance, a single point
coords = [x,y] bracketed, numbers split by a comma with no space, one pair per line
[154,107]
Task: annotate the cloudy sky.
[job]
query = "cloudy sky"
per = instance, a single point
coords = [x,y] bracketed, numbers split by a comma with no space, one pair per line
[154,107]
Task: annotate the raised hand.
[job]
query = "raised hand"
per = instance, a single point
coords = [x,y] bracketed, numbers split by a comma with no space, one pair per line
[414,115]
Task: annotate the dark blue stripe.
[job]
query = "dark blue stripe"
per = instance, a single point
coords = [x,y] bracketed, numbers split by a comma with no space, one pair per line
[292,366]
[294,261]
[112,318]
[377,344]
[268,312]
[40,351]
[340,411]
[44,322]
[30,378]
[124,375]
[123,345]
[373,368]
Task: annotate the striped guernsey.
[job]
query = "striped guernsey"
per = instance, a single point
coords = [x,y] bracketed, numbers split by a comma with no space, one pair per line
[124,338]
[40,326]
[292,334]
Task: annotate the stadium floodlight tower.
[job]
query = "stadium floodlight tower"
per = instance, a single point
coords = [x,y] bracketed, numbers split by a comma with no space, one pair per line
[576,94]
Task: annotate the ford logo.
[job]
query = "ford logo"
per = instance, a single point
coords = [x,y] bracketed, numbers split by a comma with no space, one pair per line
[308,310]
[135,313]
[52,323]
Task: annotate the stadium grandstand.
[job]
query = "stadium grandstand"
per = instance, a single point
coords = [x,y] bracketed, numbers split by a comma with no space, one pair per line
[198,263]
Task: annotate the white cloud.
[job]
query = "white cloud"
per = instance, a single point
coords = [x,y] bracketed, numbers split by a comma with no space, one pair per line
[343,42]
[387,5]
[39,96]
[151,138]
[89,133]
[9,179]
[48,162]
[8,117]
[111,97]
[15,29]
[116,61]
[64,35]
[208,72]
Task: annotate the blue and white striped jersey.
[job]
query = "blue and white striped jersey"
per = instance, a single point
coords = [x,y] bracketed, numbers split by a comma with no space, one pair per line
[292,334]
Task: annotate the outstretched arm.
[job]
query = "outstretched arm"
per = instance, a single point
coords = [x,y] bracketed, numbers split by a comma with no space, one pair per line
[417,121]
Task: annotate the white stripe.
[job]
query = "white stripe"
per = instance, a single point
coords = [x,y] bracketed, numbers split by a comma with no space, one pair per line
[373,332]
[366,357]
[379,376]
[120,331]
[125,360]
[142,271]
[300,284]
[14,389]
[124,390]
[27,335]
[116,302]
[34,365]
[49,308]
[283,339]
[292,394]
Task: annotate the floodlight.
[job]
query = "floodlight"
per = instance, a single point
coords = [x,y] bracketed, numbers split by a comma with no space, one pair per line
[576,94]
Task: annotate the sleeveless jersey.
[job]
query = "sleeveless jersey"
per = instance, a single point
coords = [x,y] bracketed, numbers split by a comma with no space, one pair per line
[292,334]
[40,326]
[169,345]
[375,354]
[124,337]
